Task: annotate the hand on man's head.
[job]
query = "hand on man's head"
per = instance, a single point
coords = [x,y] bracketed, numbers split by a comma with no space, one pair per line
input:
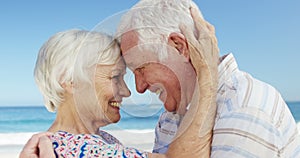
[203,47]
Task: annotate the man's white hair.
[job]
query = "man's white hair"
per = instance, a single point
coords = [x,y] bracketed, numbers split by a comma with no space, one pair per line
[154,20]
[66,50]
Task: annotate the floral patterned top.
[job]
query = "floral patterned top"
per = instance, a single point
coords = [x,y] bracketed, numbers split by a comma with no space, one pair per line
[90,145]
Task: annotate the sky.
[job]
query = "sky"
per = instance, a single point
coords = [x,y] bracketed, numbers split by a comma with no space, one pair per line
[262,34]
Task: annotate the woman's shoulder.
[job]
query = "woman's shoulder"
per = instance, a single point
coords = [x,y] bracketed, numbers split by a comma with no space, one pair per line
[63,137]
[75,145]
[102,137]
[91,145]
[108,138]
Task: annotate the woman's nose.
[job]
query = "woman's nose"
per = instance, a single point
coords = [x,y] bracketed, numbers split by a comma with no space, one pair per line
[124,91]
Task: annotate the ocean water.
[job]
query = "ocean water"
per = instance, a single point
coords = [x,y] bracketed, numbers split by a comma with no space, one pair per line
[295,109]
[37,118]
[18,124]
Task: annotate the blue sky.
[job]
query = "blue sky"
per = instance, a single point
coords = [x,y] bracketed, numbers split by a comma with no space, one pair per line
[262,34]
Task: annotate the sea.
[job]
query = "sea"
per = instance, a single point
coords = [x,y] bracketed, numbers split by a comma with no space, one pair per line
[37,118]
[17,122]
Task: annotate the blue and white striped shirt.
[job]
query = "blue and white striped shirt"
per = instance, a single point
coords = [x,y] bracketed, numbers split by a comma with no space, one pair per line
[252,119]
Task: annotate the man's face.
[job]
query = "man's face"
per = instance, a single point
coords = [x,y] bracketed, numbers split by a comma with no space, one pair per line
[150,73]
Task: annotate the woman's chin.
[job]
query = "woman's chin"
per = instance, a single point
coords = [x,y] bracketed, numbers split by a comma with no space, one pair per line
[116,119]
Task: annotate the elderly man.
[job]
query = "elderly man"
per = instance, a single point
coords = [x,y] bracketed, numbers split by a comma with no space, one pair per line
[252,119]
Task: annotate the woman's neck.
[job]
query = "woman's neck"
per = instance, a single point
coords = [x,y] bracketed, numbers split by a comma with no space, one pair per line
[68,119]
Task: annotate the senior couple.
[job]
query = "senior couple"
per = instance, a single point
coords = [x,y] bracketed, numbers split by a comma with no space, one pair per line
[212,108]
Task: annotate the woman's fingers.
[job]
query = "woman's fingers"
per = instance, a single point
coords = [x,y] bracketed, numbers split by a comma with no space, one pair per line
[193,44]
[200,23]
[188,34]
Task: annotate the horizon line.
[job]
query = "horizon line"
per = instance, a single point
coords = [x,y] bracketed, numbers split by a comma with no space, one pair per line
[41,105]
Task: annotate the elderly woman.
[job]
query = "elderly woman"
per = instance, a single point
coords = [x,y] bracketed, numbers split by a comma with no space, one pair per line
[80,75]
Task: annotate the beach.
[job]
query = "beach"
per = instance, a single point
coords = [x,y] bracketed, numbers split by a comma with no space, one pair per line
[12,144]
[18,124]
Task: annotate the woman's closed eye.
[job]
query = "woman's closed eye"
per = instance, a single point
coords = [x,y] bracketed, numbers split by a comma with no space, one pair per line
[116,78]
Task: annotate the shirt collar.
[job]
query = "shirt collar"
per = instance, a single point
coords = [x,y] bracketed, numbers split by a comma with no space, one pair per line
[226,68]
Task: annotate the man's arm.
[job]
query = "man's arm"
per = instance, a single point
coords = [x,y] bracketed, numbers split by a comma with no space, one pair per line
[194,135]
[39,145]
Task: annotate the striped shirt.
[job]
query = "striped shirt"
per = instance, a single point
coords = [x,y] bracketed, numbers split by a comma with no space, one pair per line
[252,121]
[165,130]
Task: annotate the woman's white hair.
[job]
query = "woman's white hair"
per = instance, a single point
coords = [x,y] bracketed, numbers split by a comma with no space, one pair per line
[66,50]
[154,20]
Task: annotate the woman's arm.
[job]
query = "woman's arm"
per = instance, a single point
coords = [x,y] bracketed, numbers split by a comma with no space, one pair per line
[194,136]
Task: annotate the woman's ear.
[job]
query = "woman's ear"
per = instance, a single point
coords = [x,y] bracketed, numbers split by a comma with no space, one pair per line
[68,87]
[178,41]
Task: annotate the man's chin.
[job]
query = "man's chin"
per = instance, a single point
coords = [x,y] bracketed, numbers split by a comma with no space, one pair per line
[180,111]
[170,108]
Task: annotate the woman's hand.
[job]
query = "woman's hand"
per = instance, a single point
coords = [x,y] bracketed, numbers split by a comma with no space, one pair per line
[204,56]
[38,146]
[194,136]
[203,48]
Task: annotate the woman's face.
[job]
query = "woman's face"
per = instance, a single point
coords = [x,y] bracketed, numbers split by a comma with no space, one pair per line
[110,89]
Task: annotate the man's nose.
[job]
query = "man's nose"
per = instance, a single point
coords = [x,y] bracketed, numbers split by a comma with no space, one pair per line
[140,84]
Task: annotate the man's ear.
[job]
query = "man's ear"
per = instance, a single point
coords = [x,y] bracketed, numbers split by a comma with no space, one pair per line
[68,87]
[178,41]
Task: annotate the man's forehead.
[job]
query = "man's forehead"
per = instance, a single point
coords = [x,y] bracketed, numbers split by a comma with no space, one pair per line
[128,40]
[133,56]
[136,58]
